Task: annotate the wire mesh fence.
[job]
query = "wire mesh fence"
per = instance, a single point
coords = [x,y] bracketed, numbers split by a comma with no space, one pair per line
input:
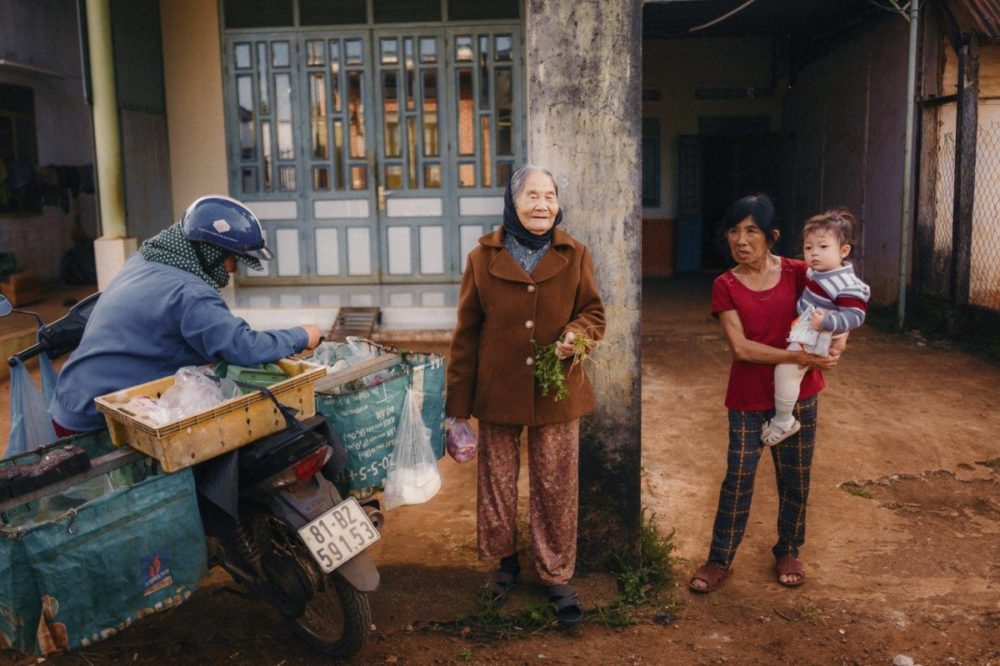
[984,269]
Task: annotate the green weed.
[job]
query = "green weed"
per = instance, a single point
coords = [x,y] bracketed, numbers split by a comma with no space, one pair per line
[857,491]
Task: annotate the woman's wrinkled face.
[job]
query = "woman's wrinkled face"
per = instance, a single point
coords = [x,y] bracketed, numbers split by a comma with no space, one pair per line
[230,263]
[747,242]
[538,204]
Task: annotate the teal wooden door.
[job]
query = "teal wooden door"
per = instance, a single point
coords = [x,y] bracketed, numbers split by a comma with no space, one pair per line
[373,155]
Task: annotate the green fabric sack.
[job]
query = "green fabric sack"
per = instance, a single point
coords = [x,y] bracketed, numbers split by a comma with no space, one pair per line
[82,576]
[364,415]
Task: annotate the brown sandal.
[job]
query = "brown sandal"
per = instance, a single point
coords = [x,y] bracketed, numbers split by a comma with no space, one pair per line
[789,565]
[712,574]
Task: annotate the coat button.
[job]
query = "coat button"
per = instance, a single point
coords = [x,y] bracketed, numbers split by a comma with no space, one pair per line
[530,360]
[529,324]
[531,288]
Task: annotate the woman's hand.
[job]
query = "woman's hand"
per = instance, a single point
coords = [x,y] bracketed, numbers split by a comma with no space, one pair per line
[807,360]
[315,335]
[564,348]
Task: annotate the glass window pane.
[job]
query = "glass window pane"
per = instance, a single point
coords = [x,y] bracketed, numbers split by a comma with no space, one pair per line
[356,114]
[463,48]
[466,130]
[394,176]
[359,178]
[503,47]
[334,55]
[484,73]
[411,150]
[353,52]
[248,138]
[504,111]
[335,75]
[484,126]
[315,53]
[504,170]
[321,178]
[410,72]
[283,97]
[249,179]
[432,176]
[428,49]
[262,67]
[390,115]
[280,54]
[430,115]
[317,115]
[265,143]
[338,153]
[389,48]
[242,52]
[467,175]
[286,178]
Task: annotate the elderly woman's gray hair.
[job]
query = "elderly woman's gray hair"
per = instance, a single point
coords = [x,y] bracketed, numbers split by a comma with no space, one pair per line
[521,175]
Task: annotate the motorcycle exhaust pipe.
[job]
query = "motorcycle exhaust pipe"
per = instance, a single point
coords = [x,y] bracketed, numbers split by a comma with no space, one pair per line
[374,515]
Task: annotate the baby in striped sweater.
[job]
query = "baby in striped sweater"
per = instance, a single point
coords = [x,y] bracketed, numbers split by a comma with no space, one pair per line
[834,301]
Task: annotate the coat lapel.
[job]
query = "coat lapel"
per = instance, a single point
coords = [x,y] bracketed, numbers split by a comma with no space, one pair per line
[504,266]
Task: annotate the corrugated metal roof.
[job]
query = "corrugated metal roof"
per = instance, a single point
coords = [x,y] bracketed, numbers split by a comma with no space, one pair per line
[982,16]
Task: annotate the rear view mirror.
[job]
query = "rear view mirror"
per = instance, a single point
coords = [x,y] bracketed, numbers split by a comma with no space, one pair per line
[5,307]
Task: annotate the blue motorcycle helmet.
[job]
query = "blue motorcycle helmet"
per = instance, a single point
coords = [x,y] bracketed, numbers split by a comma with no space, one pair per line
[228,224]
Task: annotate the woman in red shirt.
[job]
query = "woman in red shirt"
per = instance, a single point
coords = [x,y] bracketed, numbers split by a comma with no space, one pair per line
[755,302]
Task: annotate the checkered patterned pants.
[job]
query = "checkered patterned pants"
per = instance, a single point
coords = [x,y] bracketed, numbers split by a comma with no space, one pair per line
[553,453]
[792,462]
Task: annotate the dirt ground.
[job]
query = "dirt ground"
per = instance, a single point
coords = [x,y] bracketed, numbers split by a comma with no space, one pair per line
[902,555]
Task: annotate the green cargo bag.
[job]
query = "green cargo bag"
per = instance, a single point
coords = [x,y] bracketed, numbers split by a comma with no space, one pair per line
[363,414]
[72,576]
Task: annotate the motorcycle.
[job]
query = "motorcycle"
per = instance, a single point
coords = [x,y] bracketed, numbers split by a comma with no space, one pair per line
[273,519]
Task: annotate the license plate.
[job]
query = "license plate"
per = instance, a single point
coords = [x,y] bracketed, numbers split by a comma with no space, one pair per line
[339,534]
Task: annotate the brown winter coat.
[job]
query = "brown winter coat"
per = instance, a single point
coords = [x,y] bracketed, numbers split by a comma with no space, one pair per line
[500,310]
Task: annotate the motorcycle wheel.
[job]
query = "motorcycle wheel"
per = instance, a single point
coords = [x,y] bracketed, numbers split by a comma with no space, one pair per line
[337,618]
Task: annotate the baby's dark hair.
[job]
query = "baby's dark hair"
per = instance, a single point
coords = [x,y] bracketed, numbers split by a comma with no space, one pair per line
[839,221]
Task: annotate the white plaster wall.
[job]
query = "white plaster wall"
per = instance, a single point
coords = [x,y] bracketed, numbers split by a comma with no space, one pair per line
[679,66]
[192,69]
[44,34]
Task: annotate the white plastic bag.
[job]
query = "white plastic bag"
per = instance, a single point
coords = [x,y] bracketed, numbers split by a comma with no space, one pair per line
[413,476]
[813,341]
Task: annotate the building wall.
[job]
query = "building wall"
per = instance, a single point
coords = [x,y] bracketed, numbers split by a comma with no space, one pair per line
[846,115]
[193,81]
[676,68]
[62,122]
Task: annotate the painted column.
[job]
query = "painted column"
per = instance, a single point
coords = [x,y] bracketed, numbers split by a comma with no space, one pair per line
[584,79]
[112,248]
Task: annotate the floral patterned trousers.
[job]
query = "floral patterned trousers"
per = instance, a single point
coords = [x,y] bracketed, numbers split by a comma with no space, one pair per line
[553,454]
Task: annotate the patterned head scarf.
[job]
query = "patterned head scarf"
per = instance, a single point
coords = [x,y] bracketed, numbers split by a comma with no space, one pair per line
[202,259]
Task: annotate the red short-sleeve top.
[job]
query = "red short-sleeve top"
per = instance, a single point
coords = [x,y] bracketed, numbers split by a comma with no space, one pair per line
[767,317]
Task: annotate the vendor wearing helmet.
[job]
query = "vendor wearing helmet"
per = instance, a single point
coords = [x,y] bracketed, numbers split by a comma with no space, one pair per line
[163,311]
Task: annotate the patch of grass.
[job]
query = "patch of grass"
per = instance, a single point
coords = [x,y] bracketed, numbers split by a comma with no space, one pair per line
[857,491]
[465,655]
[642,572]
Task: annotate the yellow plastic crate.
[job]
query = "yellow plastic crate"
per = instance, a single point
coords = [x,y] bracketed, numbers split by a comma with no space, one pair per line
[227,426]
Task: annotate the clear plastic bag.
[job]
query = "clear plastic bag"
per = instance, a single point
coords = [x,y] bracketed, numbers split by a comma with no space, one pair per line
[813,341]
[30,424]
[192,391]
[413,476]
[462,441]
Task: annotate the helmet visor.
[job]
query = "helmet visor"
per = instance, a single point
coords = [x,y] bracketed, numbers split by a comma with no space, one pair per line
[262,253]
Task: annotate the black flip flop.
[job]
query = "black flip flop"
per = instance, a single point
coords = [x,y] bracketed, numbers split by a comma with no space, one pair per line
[568,609]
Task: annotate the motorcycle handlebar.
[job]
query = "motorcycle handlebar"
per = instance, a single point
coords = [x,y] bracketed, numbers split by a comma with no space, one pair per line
[24,355]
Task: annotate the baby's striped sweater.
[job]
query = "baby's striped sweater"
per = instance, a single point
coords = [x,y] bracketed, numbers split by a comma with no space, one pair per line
[840,293]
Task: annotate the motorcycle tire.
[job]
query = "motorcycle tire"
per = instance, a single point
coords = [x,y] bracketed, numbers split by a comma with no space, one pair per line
[336,618]
[320,626]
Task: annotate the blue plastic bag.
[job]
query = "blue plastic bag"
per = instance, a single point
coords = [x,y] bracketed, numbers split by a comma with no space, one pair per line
[30,423]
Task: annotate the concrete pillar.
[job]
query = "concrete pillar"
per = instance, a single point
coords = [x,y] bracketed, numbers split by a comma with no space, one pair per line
[584,73]
[112,248]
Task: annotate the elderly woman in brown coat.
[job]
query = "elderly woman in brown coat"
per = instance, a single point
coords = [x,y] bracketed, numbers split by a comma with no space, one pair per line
[528,282]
